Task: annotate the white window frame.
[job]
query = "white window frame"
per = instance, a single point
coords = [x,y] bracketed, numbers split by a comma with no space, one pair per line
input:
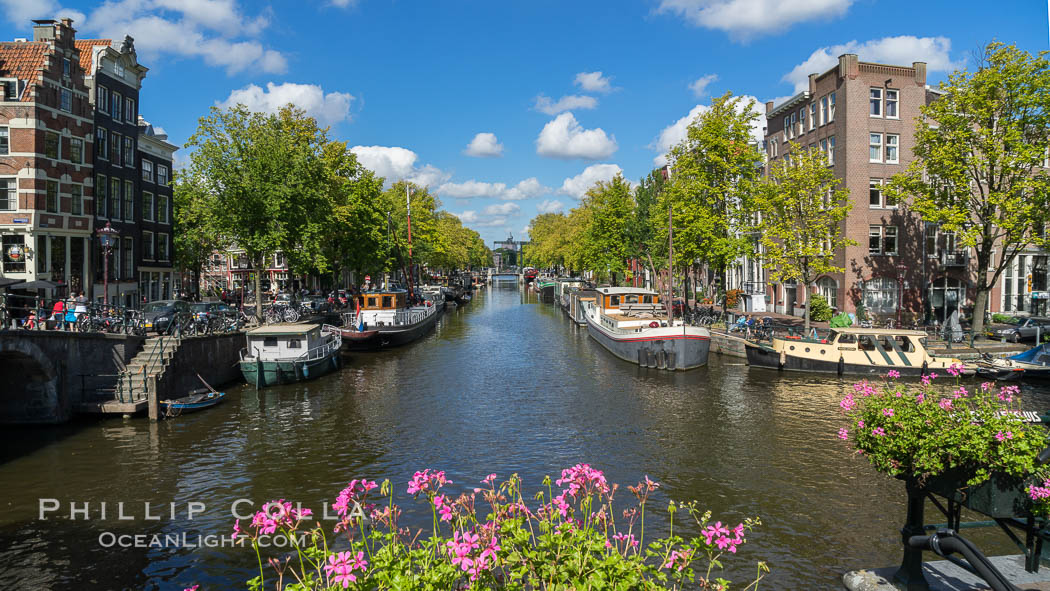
[167,178]
[823,109]
[65,100]
[119,197]
[129,151]
[802,121]
[5,140]
[831,150]
[882,204]
[161,203]
[58,144]
[129,201]
[73,142]
[117,141]
[129,109]
[102,143]
[11,199]
[831,107]
[895,101]
[812,116]
[119,100]
[875,94]
[875,147]
[883,232]
[895,146]
[102,99]
[101,200]
[76,199]
[148,177]
[147,206]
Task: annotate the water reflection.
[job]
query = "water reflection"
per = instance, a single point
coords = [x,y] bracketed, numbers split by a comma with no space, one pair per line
[504,384]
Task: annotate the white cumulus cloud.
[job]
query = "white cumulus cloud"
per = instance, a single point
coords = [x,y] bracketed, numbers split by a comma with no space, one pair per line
[394,164]
[544,104]
[594,82]
[219,32]
[743,19]
[528,188]
[901,50]
[564,137]
[484,145]
[481,220]
[674,133]
[578,185]
[328,109]
[699,86]
[549,206]
[502,209]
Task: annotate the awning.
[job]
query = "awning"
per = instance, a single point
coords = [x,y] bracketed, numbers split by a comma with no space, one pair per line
[7,282]
[40,284]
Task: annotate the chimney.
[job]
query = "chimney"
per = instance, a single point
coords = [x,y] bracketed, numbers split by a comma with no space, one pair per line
[813,84]
[849,66]
[920,72]
[769,107]
[43,30]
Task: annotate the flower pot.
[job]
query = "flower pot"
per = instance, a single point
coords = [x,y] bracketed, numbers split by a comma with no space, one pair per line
[999,496]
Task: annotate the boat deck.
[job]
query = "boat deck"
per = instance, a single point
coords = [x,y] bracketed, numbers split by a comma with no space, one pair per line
[634,318]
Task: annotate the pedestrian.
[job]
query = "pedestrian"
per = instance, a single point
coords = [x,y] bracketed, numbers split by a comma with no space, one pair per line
[81,308]
[58,314]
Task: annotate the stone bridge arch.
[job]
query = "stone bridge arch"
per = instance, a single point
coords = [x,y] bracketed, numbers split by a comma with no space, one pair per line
[30,383]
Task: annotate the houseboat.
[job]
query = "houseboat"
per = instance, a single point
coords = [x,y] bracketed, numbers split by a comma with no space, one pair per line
[872,351]
[576,297]
[545,288]
[561,290]
[632,324]
[286,353]
[384,318]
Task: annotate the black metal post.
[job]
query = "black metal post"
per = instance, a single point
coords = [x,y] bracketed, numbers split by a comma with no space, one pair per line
[909,576]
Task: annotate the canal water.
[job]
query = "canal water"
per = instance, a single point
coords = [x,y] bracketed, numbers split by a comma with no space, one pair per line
[505,384]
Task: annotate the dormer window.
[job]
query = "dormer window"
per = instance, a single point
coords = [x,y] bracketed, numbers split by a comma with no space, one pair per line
[10,86]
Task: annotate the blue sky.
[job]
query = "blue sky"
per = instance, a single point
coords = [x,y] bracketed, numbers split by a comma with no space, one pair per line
[509,108]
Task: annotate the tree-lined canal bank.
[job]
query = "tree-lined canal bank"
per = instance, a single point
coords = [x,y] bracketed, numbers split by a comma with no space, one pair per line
[502,385]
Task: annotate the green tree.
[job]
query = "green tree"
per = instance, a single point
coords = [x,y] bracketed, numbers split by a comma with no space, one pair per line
[357,232]
[265,179]
[547,244]
[980,150]
[607,237]
[193,234]
[715,170]
[424,223]
[800,211]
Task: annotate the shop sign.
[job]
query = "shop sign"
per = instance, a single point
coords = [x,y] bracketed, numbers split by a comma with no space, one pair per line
[20,221]
[15,253]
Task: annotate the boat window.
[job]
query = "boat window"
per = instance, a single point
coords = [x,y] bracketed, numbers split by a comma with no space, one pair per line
[614,301]
[867,343]
[922,341]
[295,344]
[361,300]
[630,299]
[847,339]
[371,302]
[647,299]
[905,343]
[388,302]
[885,342]
[270,342]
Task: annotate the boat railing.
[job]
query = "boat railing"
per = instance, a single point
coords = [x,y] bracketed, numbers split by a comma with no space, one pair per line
[332,343]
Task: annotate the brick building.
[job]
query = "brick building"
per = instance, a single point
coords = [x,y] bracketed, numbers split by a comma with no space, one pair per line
[156,253]
[113,77]
[862,116]
[46,146]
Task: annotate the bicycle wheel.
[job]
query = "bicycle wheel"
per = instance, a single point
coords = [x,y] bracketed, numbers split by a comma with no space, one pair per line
[290,315]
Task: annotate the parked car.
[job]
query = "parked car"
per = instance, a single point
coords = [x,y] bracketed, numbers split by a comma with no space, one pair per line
[1019,328]
[159,315]
[316,303]
[209,310]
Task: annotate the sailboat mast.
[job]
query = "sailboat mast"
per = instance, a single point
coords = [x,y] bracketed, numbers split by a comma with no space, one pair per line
[408,206]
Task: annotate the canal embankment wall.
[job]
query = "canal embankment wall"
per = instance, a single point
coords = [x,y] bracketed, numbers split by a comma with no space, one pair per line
[214,357]
[45,374]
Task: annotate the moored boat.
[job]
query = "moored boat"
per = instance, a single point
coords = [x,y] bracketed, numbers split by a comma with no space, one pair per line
[564,285]
[545,287]
[872,351]
[286,353]
[384,318]
[199,399]
[576,298]
[631,324]
[1033,364]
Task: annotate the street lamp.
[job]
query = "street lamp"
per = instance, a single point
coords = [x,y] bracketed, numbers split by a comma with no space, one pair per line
[901,268]
[108,237]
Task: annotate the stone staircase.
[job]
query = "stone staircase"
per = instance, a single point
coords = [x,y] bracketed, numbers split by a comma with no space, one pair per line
[151,361]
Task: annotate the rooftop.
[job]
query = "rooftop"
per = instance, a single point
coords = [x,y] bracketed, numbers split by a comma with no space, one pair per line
[283,328]
[22,60]
[87,50]
[625,290]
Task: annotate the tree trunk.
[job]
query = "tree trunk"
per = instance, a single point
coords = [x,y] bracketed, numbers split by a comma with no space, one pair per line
[805,291]
[980,301]
[257,267]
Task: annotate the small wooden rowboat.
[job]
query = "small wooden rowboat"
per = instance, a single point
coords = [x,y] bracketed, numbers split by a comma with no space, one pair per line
[196,400]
